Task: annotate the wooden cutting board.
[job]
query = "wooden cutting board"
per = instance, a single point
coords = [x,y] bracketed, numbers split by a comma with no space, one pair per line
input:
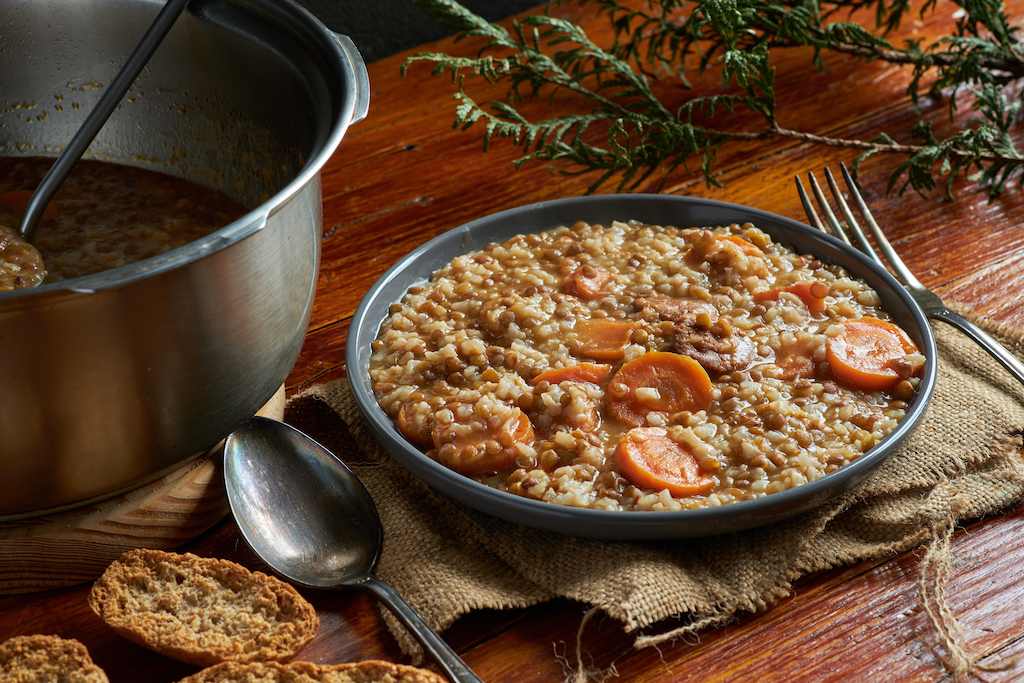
[76,545]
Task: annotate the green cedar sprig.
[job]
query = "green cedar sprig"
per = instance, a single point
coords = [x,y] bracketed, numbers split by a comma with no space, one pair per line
[620,128]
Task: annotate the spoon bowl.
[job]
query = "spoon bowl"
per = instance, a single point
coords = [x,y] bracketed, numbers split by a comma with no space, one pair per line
[331,535]
[310,518]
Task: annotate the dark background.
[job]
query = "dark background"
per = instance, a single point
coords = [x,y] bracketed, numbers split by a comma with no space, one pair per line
[383,27]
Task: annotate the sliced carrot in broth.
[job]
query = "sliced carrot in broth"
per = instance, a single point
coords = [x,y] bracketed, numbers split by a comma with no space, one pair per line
[748,247]
[516,429]
[811,293]
[680,383]
[603,339]
[593,373]
[862,355]
[415,429]
[587,282]
[650,459]
[471,454]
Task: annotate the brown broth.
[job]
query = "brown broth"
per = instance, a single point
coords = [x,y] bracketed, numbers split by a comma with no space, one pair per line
[107,215]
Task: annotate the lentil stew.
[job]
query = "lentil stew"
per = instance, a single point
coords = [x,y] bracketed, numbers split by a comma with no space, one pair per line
[641,367]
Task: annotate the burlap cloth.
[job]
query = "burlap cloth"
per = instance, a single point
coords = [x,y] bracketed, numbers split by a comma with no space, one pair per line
[964,461]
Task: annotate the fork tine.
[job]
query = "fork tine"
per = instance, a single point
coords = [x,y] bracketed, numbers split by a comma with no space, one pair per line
[812,215]
[883,243]
[865,245]
[833,222]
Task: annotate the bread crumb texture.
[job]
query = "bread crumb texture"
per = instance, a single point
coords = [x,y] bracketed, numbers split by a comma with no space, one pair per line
[370,671]
[47,659]
[202,610]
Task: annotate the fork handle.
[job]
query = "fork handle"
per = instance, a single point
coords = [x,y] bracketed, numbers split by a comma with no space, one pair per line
[984,340]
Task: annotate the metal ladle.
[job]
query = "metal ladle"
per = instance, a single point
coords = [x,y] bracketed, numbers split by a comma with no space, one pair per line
[312,521]
[113,95]
[16,250]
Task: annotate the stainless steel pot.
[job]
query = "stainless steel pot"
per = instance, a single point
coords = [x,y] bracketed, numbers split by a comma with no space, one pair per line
[110,379]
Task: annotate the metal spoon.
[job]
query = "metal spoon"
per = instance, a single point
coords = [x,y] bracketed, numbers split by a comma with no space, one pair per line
[138,59]
[312,521]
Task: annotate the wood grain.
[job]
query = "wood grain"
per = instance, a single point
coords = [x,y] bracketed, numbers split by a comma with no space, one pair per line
[863,622]
[72,547]
[404,175]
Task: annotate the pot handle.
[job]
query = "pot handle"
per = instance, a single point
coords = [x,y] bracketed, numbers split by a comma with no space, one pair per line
[362,88]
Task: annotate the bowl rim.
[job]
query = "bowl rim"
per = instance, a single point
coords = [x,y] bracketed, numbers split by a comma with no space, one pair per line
[383,428]
[252,221]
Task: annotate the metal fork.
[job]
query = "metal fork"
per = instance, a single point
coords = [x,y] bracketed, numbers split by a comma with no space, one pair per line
[929,302]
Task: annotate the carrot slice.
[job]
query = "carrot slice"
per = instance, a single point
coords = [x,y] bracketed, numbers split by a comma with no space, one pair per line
[811,293]
[416,430]
[593,373]
[516,429]
[748,248]
[16,201]
[587,282]
[861,356]
[651,460]
[603,339]
[680,383]
[471,455]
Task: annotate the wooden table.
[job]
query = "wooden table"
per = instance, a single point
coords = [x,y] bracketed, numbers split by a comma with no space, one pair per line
[403,176]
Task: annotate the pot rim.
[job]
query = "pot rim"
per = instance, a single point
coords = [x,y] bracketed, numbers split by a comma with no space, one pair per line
[353,74]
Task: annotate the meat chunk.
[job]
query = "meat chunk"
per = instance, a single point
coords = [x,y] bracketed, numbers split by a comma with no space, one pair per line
[718,355]
[701,334]
[684,311]
[20,262]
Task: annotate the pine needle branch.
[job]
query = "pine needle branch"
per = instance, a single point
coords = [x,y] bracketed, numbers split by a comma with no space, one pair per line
[619,128]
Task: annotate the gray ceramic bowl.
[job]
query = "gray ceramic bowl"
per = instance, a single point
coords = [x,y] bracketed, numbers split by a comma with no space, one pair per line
[655,209]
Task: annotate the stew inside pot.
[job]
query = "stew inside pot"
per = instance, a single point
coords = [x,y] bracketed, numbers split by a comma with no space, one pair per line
[104,216]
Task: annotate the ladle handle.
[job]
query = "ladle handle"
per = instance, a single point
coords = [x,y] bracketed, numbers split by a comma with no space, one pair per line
[101,112]
[445,657]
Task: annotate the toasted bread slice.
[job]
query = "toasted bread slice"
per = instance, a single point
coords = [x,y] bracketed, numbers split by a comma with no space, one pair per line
[200,610]
[47,659]
[369,671]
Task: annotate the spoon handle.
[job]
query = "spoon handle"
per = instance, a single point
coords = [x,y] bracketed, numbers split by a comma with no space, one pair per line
[445,657]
